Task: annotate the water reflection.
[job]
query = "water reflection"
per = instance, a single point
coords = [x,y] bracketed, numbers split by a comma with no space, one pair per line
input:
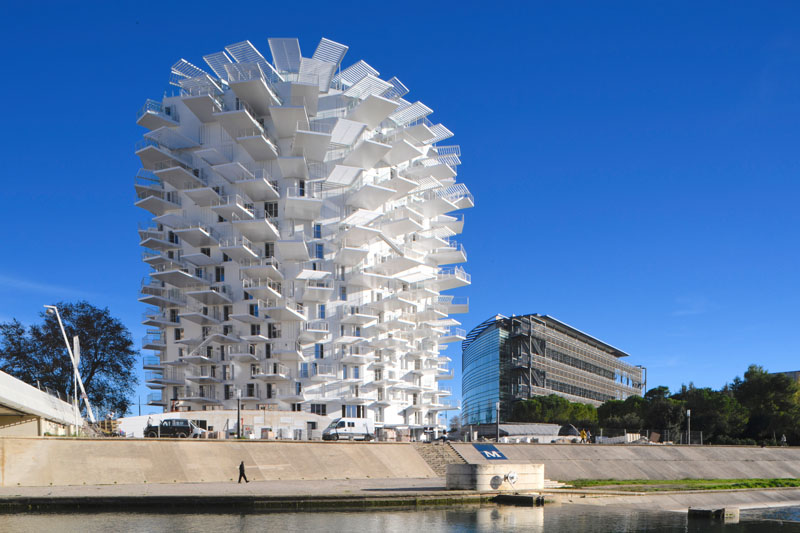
[461,519]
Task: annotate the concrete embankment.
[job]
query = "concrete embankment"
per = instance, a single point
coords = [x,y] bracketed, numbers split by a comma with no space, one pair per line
[590,461]
[59,461]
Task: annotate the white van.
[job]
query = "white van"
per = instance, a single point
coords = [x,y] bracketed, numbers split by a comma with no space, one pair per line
[350,429]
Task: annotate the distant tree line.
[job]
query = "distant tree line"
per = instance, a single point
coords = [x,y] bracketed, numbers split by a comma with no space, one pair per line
[756,409]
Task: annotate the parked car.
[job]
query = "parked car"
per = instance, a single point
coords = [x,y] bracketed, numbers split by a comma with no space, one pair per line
[174,427]
[350,429]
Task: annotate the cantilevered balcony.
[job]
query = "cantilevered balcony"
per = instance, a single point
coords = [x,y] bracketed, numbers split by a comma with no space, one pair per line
[444,373]
[357,315]
[215,294]
[454,253]
[287,350]
[203,99]
[394,263]
[401,221]
[392,303]
[202,375]
[312,145]
[454,223]
[357,235]
[301,203]
[202,315]
[197,235]
[450,278]
[152,197]
[259,187]
[368,280]
[272,372]
[317,372]
[313,331]
[203,395]
[157,342]
[454,304]
[234,206]
[161,378]
[366,154]
[180,277]
[253,85]
[181,177]
[370,196]
[289,119]
[152,362]
[156,399]
[318,290]
[284,310]
[265,289]
[355,354]
[245,352]
[239,249]
[153,115]
[158,239]
[373,110]
[350,256]
[156,293]
[155,317]
[292,250]
[233,172]
[205,196]
[401,151]
[268,267]
[453,335]
[156,157]
[239,117]
[259,228]
[293,167]
[255,141]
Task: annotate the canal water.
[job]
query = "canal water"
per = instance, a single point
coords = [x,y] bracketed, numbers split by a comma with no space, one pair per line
[567,518]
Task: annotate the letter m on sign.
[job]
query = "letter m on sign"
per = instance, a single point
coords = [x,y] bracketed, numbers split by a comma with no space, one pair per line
[490,452]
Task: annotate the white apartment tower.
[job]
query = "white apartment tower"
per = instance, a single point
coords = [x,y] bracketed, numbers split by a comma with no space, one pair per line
[301,240]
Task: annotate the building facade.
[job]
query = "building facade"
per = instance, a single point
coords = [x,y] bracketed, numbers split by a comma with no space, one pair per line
[506,360]
[301,239]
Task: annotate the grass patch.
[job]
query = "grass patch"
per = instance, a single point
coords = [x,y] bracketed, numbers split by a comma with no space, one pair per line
[654,485]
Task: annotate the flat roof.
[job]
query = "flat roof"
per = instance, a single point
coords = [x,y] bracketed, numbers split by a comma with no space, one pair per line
[548,321]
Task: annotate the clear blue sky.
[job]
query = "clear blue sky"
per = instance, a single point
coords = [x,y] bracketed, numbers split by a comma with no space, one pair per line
[635,167]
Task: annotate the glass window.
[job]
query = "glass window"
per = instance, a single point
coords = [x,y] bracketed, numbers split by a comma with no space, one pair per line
[317,231]
[321,311]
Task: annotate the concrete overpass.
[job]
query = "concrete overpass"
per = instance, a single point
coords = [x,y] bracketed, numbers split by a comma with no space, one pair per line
[25,411]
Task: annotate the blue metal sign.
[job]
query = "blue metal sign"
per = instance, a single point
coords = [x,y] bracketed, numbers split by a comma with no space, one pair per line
[490,452]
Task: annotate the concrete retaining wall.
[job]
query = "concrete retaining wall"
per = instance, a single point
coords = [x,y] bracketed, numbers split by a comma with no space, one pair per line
[42,461]
[589,461]
[495,476]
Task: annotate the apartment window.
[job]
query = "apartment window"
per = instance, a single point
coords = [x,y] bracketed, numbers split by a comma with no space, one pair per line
[273,330]
[343,293]
[219,274]
[353,411]
[178,334]
[271,209]
[356,372]
[255,329]
[247,296]
[254,310]
[270,391]
[226,312]
[254,370]
[228,392]
[379,414]
[198,272]
[269,249]
[206,251]
[252,390]
[344,371]
[173,315]
[226,330]
[379,377]
[321,311]
[301,187]
[296,407]
[317,231]
[339,272]
[298,388]
[357,331]
[319,409]
[319,251]
[267,351]
[225,257]
[319,351]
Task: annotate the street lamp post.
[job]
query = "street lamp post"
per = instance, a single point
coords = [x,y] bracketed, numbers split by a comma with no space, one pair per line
[238,413]
[689,426]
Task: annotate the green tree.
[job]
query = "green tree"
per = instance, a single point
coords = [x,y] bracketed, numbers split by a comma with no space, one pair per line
[554,409]
[718,414]
[39,355]
[773,403]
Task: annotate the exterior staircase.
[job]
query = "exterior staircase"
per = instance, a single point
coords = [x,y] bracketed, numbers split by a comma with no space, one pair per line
[438,455]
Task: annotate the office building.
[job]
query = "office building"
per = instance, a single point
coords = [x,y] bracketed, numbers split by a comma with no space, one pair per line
[506,360]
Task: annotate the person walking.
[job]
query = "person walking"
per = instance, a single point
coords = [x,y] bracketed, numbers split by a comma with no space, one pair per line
[583,436]
[241,473]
